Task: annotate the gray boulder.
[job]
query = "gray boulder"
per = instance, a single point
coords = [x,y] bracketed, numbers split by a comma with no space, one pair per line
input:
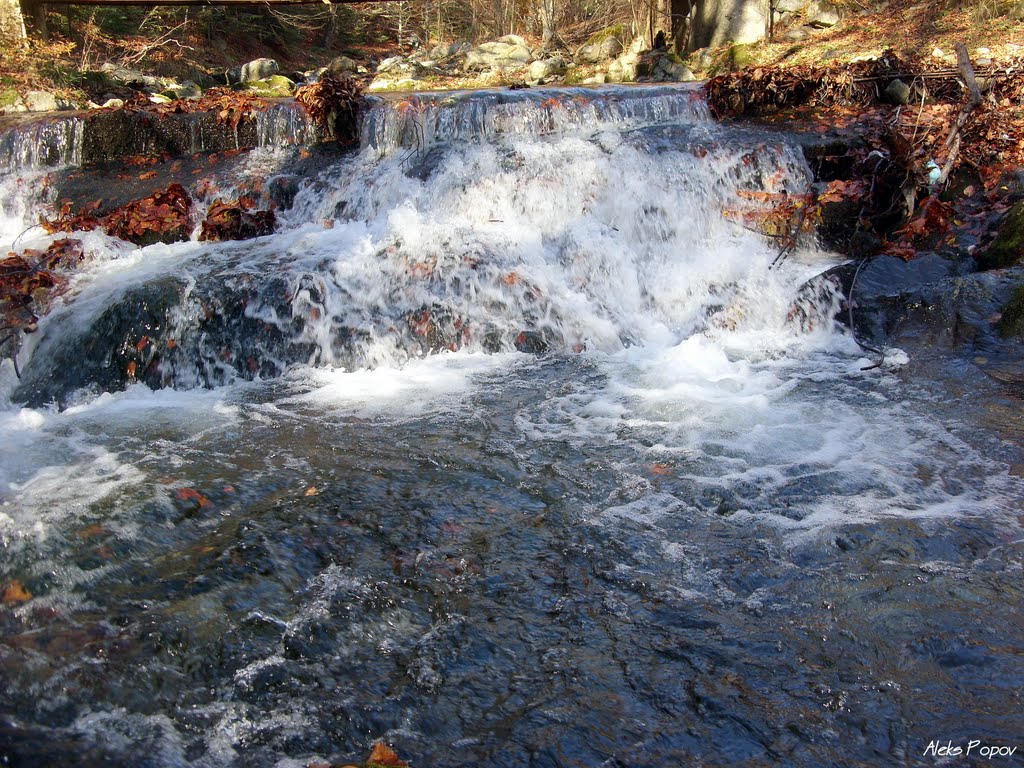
[392,64]
[603,45]
[821,15]
[130,78]
[506,53]
[715,22]
[40,101]
[553,67]
[341,65]
[671,71]
[257,69]
[897,92]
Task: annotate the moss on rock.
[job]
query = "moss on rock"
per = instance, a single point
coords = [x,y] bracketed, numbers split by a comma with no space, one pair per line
[1012,322]
[1008,247]
[273,87]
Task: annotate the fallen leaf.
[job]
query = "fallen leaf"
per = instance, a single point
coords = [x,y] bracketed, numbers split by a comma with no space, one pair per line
[311,491]
[384,755]
[14,592]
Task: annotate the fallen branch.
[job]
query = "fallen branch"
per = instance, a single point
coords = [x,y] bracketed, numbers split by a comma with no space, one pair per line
[953,142]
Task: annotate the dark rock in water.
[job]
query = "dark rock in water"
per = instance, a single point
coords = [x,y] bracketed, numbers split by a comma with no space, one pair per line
[532,342]
[1008,247]
[232,220]
[423,164]
[889,275]
[120,347]
[437,328]
[925,305]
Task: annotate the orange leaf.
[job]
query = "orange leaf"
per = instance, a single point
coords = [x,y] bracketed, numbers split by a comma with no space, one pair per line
[384,755]
[191,494]
[14,592]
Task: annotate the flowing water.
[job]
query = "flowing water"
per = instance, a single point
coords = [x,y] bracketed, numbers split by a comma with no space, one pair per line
[508,448]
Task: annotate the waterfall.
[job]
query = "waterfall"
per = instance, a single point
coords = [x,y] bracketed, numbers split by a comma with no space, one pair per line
[552,221]
[41,143]
[420,121]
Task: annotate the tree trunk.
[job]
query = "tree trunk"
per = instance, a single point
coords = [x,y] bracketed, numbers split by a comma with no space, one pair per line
[680,25]
[546,9]
[12,24]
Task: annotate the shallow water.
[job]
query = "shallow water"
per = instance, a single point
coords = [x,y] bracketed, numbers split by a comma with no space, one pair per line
[692,531]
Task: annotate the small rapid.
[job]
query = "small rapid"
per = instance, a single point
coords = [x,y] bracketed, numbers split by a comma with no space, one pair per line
[509,446]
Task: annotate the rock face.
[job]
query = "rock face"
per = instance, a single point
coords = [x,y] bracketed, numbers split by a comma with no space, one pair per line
[509,52]
[603,45]
[716,22]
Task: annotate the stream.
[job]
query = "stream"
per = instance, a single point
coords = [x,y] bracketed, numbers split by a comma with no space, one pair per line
[509,447]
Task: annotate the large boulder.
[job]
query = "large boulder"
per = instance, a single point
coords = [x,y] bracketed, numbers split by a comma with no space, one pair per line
[510,52]
[603,45]
[342,65]
[553,67]
[392,64]
[716,22]
[113,75]
[274,87]
[670,69]
[257,69]
[40,101]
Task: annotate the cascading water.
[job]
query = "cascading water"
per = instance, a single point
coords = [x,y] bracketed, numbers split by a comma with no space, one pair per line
[508,447]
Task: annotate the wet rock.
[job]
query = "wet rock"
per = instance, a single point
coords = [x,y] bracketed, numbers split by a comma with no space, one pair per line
[532,342]
[437,328]
[105,356]
[603,45]
[1011,322]
[890,276]
[274,87]
[1008,247]
[946,313]
[234,220]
